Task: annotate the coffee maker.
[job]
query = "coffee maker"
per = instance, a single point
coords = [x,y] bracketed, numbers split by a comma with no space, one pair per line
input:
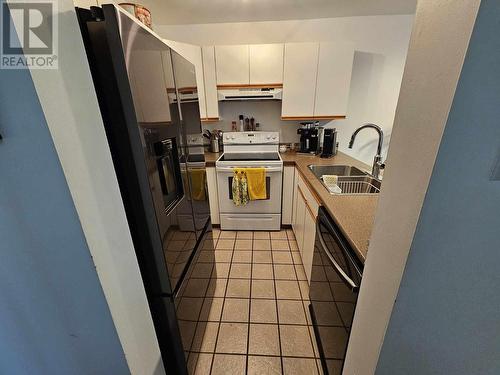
[329,143]
[309,140]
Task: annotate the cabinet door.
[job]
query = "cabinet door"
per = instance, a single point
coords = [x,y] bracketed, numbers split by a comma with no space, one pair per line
[308,240]
[210,81]
[301,211]
[334,79]
[266,64]
[299,79]
[213,195]
[287,196]
[232,65]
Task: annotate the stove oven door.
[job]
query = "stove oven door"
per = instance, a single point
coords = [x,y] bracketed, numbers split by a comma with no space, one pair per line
[271,205]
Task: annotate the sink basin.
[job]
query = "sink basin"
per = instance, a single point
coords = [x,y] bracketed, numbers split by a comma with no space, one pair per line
[351,180]
[339,170]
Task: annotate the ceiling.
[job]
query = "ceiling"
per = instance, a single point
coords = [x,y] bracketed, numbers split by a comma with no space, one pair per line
[172,12]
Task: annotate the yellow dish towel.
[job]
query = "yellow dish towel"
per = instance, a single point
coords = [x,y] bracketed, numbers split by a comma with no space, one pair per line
[198,184]
[256,178]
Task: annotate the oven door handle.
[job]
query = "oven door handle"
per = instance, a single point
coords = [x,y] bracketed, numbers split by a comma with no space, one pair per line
[231,169]
[339,269]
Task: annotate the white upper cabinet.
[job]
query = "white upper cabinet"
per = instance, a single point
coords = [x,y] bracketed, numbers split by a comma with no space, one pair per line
[266,64]
[254,64]
[210,83]
[232,65]
[316,82]
[299,79]
[334,79]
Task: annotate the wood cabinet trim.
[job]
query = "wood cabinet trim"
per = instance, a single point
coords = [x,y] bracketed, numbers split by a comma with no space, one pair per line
[188,89]
[296,118]
[301,193]
[313,192]
[306,202]
[310,211]
[209,119]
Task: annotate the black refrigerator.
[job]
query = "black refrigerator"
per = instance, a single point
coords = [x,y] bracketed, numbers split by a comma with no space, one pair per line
[148,99]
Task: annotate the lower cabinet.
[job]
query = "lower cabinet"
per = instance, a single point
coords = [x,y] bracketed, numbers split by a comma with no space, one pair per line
[308,241]
[213,195]
[287,196]
[299,225]
[305,211]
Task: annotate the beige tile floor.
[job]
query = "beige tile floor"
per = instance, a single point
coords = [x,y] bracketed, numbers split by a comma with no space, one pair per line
[244,308]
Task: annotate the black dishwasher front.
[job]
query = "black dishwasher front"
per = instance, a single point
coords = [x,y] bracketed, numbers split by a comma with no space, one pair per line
[335,279]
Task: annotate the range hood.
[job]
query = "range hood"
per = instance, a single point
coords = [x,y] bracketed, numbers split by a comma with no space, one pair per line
[249,93]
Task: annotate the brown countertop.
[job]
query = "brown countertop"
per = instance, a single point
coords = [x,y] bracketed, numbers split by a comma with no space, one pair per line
[354,214]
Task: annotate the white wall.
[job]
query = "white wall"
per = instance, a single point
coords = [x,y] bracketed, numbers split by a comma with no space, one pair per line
[380,42]
[267,113]
[71,110]
[449,290]
[427,92]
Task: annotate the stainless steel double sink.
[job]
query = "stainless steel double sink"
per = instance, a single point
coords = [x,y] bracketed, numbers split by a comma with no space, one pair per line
[351,180]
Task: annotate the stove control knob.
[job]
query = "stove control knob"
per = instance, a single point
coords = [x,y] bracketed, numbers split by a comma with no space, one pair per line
[233,137]
[274,137]
[268,137]
[227,137]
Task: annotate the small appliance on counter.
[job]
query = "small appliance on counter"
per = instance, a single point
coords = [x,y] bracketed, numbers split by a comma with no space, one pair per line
[329,143]
[309,137]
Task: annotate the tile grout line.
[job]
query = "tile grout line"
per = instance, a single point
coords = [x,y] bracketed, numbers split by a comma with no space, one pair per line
[274,280]
[277,311]
[263,355]
[249,307]
[223,304]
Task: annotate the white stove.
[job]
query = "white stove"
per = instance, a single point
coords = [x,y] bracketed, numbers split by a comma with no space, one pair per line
[250,149]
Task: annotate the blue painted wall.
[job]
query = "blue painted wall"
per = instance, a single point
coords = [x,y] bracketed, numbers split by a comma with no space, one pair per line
[446,318]
[53,315]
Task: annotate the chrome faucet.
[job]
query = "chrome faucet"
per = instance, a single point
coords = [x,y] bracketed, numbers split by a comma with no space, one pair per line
[377,160]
